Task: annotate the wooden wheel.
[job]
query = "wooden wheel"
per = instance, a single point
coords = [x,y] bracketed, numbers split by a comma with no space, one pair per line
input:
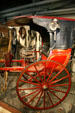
[42,85]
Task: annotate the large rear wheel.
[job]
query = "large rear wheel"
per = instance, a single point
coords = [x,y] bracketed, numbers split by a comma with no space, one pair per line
[42,85]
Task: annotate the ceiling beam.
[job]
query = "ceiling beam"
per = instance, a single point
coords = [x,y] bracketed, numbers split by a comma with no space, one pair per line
[48,7]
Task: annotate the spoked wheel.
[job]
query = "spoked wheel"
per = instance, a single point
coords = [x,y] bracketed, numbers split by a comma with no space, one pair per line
[42,85]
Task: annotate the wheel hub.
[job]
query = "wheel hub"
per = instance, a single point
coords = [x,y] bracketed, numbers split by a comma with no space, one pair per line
[45,86]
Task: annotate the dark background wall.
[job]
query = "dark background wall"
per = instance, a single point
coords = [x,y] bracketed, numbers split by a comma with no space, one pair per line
[11,8]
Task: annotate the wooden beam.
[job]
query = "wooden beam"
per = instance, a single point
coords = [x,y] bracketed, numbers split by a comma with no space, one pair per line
[7,109]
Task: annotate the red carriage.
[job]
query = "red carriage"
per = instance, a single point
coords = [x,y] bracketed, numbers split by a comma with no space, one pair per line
[44,81]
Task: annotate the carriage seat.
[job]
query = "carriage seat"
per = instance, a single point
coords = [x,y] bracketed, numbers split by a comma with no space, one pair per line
[60,56]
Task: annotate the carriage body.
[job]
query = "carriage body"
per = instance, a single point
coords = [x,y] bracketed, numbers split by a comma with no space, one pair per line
[43,70]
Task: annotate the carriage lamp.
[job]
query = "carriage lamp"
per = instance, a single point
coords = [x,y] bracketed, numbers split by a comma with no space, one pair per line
[53,26]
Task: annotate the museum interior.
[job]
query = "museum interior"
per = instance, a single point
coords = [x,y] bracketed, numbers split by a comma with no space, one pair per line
[37,56]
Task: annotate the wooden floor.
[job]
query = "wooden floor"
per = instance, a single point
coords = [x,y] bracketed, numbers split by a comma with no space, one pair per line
[5,108]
